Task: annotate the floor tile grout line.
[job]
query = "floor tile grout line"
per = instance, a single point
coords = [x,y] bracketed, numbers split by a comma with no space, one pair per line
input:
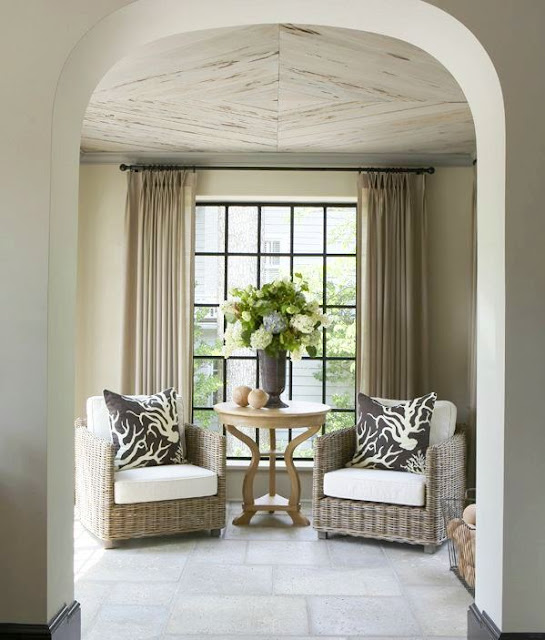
[404,593]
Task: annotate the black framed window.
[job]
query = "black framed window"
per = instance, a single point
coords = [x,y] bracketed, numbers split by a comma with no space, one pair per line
[237,244]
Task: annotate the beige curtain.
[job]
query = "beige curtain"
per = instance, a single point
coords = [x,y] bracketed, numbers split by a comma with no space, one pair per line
[393,298]
[158,317]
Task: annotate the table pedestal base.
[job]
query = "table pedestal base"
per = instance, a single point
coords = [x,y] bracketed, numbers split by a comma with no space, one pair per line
[272,501]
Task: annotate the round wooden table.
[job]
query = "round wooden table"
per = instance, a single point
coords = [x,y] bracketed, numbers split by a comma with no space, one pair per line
[309,415]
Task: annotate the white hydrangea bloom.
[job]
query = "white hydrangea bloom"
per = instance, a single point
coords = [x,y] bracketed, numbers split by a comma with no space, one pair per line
[296,354]
[313,339]
[233,339]
[324,320]
[302,323]
[229,307]
[247,316]
[261,338]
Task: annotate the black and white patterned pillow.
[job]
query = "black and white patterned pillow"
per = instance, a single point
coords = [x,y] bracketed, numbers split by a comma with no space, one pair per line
[144,430]
[394,438]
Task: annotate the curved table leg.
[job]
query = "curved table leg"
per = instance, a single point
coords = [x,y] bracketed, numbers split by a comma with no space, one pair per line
[248,483]
[297,517]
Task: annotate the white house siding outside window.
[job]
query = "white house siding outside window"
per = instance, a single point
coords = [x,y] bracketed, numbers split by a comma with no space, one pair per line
[237,244]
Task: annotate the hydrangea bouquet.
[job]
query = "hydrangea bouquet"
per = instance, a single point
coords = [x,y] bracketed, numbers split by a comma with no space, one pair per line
[277,318]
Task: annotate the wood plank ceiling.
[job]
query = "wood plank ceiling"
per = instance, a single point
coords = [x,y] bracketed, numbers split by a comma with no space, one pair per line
[279,88]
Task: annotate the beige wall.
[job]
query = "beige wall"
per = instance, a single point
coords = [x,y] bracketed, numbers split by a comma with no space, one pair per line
[99,294]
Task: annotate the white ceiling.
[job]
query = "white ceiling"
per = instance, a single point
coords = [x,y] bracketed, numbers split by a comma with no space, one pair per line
[279,89]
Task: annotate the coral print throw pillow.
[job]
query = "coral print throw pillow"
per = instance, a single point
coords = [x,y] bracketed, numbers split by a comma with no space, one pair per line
[144,429]
[394,438]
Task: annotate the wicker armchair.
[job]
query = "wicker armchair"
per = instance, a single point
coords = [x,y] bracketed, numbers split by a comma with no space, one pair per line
[111,522]
[445,478]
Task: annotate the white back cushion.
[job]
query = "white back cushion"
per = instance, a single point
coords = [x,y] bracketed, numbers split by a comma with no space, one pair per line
[98,420]
[443,420]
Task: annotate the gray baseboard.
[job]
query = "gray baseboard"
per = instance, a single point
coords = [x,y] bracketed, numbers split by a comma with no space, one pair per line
[481,627]
[66,625]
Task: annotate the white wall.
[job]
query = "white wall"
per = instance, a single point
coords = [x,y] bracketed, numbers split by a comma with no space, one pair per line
[53,57]
[99,296]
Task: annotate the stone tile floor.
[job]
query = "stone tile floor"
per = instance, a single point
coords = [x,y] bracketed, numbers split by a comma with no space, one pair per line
[266,581]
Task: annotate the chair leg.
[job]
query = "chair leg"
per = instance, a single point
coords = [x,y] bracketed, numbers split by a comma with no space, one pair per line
[215,533]
[430,548]
[322,535]
[109,544]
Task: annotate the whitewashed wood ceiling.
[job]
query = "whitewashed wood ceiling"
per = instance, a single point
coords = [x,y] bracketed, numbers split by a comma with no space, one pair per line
[279,88]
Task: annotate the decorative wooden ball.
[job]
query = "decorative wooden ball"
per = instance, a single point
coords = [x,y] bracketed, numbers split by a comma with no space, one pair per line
[452,526]
[258,398]
[470,514]
[240,396]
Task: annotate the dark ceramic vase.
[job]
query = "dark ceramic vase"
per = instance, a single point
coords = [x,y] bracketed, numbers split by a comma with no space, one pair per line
[272,370]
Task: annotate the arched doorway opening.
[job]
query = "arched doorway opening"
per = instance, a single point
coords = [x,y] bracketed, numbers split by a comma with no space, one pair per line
[416,22]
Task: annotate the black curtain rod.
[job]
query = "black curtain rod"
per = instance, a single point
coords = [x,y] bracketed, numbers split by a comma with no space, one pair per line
[163,167]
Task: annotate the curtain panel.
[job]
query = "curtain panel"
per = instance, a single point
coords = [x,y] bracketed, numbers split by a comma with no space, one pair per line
[158,313]
[393,298]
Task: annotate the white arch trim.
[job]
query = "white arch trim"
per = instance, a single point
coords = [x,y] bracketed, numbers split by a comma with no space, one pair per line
[414,21]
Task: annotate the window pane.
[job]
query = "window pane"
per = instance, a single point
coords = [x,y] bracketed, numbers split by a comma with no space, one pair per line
[209,276]
[340,383]
[282,440]
[336,421]
[275,229]
[242,229]
[306,448]
[207,382]
[236,448]
[341,230]
[308,230]
[206,418]
[341,335]
[312,270]
[241,272]
[274,267]
[341,281]
[209,229]
[207,331]
[240,372]
[307,380]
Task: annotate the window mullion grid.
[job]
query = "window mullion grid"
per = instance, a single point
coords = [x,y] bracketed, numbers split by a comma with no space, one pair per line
[290,361]
[324,307]
[257,432]
[259,254]
[225,293]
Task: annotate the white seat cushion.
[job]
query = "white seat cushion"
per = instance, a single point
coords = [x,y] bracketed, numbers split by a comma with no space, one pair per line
[443,419]
[376,485]
[164,482]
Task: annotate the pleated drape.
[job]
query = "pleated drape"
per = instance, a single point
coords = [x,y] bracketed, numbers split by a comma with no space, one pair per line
[393,314]
[158,315]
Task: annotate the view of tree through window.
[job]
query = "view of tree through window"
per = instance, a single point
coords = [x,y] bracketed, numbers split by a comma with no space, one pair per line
[240,244]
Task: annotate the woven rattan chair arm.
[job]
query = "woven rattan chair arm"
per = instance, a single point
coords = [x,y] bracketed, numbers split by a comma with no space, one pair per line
[94,469]
[446,468]
[205,448]
[331,452]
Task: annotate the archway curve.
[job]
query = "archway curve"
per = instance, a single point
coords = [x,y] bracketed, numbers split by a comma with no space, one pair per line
[414,21]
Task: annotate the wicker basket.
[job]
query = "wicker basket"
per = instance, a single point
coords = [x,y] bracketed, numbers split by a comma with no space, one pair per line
[461,539]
